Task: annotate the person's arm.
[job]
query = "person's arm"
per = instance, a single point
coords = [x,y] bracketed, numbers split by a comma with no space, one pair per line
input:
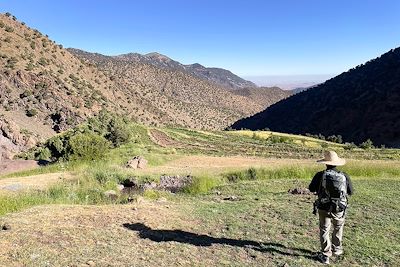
[315,182]
[350,189]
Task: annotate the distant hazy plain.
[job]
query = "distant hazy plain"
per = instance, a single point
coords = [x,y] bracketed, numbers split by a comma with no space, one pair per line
[289,82]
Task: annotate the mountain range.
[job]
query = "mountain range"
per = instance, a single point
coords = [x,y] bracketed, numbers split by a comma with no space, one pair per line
[45,89]
[219,76]
[360,104]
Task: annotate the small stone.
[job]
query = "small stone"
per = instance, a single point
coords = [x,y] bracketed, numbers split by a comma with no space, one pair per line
[120,187]
[91,263]
[232,198]
[134,208]
[5,227]
[299,191]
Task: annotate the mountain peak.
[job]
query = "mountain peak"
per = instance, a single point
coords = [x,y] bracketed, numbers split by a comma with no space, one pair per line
[157,56]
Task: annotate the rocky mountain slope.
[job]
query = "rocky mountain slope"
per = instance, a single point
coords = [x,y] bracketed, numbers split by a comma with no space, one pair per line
[359,104]
[45,89]
[215,75]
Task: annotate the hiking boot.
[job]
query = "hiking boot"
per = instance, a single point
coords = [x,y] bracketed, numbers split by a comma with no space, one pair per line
[322,258]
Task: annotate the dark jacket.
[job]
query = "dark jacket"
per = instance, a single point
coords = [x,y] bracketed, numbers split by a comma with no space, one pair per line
[315,185]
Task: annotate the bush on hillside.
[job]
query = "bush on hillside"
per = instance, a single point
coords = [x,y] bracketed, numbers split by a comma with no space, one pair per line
[118,132]
[368,144]
[43,154]
[87,146]
[31,112]
[274,139]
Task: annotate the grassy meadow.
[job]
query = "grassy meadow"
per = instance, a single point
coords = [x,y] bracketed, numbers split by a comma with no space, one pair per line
[236,212]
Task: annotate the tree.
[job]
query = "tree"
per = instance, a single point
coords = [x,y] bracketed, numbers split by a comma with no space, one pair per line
[368,144]
[118,132]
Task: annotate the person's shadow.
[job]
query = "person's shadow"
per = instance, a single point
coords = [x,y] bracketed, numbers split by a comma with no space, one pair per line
[180,236]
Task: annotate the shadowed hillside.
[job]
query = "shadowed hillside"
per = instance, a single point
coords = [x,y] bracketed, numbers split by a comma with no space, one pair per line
[359,104]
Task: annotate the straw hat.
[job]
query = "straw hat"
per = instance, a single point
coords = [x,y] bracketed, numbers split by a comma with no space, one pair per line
[331,158]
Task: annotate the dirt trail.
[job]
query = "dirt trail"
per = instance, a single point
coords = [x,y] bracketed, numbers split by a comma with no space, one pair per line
[213,165]
[41,181]
[9,166]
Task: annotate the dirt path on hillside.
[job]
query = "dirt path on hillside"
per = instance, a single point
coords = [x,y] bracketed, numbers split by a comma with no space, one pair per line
[162,139]
[10,166]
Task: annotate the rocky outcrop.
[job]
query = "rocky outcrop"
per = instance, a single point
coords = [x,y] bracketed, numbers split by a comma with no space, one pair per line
[12,139]
[137,162]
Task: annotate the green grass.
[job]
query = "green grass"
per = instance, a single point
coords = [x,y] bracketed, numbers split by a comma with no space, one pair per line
[266,213]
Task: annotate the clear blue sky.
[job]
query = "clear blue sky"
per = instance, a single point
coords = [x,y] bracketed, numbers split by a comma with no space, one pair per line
[249,37]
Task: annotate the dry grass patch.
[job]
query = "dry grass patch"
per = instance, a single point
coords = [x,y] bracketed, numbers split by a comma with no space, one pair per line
[41,181]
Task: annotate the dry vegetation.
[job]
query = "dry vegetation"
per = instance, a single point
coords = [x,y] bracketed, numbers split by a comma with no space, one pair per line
[54,89]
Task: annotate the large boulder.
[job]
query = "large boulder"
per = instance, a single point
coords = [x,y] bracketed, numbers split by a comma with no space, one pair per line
[137,162]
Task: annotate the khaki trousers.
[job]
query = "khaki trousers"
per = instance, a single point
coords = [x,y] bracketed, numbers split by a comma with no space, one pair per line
[325,221]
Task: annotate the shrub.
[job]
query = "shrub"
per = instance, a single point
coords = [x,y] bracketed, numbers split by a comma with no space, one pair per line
[11,63]
[57,146]
[202,184]
[9,29]
[31,112]
[350,146]
[118,132]
[88,146]
[42,61]
[368,144]
[252,174]
[278,139]
[29,66]
[43,154]
[26,93]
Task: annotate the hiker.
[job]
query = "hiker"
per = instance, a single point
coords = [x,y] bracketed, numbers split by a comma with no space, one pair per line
[332,187]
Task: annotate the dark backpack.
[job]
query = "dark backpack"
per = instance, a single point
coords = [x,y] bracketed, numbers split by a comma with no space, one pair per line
[333,191]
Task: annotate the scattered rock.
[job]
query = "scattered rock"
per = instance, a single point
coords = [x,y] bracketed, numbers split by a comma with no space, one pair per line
[5,227]
[149,185]
[137,162]
[299,191]
[174,183]
[231,198]
[131,182]
[91,263]
[130,185]
[111,194]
